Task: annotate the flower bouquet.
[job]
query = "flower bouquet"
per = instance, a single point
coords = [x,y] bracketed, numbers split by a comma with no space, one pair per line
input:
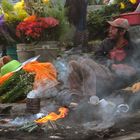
[51,8]
[34,29]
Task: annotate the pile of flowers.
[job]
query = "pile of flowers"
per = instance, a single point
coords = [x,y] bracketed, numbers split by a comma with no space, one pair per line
[37,29]
[34,20]
[13,13]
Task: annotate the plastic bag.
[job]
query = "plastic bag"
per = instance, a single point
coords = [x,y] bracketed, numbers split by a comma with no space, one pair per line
[5,77]
[43,71]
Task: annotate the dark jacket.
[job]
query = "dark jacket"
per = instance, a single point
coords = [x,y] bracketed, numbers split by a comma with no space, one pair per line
[132,59]
[77,12]
[102,53]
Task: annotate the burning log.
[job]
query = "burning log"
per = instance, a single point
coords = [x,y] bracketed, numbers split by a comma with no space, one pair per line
[53,116]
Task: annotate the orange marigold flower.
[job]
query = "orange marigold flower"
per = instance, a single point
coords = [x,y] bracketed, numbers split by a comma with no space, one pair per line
[30,18]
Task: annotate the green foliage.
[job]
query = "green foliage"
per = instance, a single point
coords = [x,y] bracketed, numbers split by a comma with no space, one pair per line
[35,7]
[97,21]
[56,9]
[13,14]
[6,6]
[11,82]
[51,8]
[14,90]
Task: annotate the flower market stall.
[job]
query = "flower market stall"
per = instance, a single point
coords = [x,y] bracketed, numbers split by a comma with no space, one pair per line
[47,24]
[34,29]
[12,15]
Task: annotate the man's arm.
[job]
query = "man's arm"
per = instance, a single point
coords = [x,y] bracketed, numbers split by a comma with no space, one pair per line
[101,53]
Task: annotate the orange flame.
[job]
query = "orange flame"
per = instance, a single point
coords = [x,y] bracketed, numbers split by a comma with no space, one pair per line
[53,116]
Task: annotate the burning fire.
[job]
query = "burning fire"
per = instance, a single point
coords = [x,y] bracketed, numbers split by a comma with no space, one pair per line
[53,116]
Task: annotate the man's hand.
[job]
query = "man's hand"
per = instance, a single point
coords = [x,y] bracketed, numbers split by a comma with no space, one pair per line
[123,70]
[135,87]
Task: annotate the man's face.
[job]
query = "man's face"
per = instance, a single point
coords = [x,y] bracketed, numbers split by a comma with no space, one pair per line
[113,33]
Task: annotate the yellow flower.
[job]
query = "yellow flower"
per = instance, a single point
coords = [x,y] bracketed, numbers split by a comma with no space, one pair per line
[122,5]
[133,1]
[21,14]
[45,1]
[9,17]
[19,5]
[6,16]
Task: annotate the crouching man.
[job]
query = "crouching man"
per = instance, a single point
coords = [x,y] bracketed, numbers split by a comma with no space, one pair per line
[113,66]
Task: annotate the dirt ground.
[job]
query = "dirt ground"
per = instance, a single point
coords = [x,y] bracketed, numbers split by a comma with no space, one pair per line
[126,128]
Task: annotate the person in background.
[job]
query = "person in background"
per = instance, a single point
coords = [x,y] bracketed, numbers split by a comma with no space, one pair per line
[113,66]
[3,50]
[117,47]
[4,60]
[76,13]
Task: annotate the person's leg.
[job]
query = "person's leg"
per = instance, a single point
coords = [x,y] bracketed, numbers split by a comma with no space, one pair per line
[90,78]
[97,79]
[82,78]
[75,77]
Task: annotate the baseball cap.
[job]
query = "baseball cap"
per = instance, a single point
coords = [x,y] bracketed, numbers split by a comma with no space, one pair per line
[120,22]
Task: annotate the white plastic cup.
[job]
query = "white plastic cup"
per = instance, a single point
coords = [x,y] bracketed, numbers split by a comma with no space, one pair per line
[94,100]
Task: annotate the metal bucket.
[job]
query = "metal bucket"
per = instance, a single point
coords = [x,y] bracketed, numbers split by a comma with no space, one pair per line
[25,51]
[48,51]
[33,105]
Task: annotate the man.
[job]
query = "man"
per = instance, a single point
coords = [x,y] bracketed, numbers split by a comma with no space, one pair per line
[113,68]
[76,13]
[117,46]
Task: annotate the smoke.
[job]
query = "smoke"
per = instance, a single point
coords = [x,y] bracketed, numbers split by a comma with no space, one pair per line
[103,84]
[46,89]
[18,121]
[134,101]
[92,78]
[91,109]
[62,69]
[95,79]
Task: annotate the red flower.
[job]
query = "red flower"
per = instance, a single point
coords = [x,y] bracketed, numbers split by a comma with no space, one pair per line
[49,21]
[33,30]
